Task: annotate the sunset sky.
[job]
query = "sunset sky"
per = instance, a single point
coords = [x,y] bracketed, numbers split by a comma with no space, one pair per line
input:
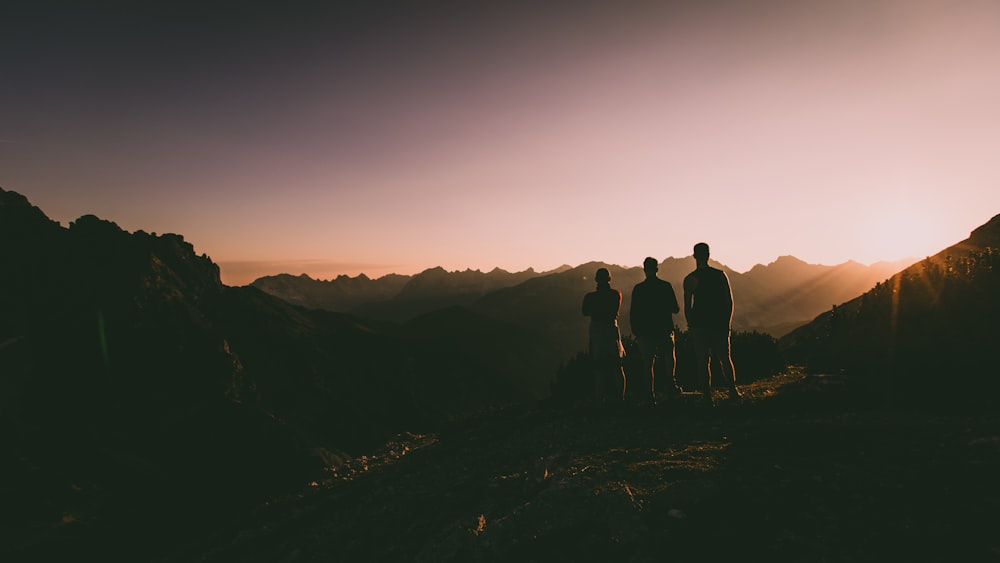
[397,136]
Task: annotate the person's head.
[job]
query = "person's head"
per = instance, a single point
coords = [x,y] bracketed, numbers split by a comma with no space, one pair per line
[602,276]
[701,252]
[650,266]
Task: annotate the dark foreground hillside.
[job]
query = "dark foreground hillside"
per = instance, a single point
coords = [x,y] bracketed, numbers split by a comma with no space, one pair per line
[801,471]
[142,400]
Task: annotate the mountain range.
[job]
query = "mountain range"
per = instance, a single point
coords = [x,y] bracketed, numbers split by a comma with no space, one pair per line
[139,327]
[772,298]
[543,308]
[134,385]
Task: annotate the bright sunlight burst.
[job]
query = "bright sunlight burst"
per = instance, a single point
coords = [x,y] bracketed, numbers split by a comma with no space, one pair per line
[897,233]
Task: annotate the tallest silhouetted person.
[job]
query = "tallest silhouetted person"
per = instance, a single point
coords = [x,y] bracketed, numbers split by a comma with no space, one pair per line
[708,308]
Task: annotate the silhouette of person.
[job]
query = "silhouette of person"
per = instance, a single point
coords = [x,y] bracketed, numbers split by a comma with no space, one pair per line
[708,309]
[651,319]
[606,350]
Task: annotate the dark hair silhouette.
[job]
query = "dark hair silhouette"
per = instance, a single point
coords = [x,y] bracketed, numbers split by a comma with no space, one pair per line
[701,251]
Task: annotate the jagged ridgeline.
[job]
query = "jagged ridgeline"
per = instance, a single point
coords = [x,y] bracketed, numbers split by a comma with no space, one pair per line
[117,345]
[929,331]
[772,298]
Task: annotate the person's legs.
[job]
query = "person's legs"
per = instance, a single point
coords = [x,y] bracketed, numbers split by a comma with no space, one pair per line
[701,347]
[621,376]
[644,386]
[721,352]
[609,380]
[666,366]
[604,355]
[598,381]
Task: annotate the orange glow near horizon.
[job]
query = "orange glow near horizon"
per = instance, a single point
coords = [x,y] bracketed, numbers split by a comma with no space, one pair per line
[523,136]
[896,234]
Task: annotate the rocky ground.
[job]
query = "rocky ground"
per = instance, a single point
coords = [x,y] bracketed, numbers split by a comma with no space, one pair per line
[799,471]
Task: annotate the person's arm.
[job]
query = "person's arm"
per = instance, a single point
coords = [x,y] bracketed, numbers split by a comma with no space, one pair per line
[674,308]
[633,308]
[690,284]
[729,297]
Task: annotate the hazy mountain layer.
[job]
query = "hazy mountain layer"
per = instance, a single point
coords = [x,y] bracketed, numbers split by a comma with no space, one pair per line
[343,293]
[543,309]
[393,297]
[772,298]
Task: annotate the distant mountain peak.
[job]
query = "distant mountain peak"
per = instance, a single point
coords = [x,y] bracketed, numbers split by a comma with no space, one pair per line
[781,263]
[787,260]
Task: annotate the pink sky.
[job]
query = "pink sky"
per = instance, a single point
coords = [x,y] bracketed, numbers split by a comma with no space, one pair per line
[523,138]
